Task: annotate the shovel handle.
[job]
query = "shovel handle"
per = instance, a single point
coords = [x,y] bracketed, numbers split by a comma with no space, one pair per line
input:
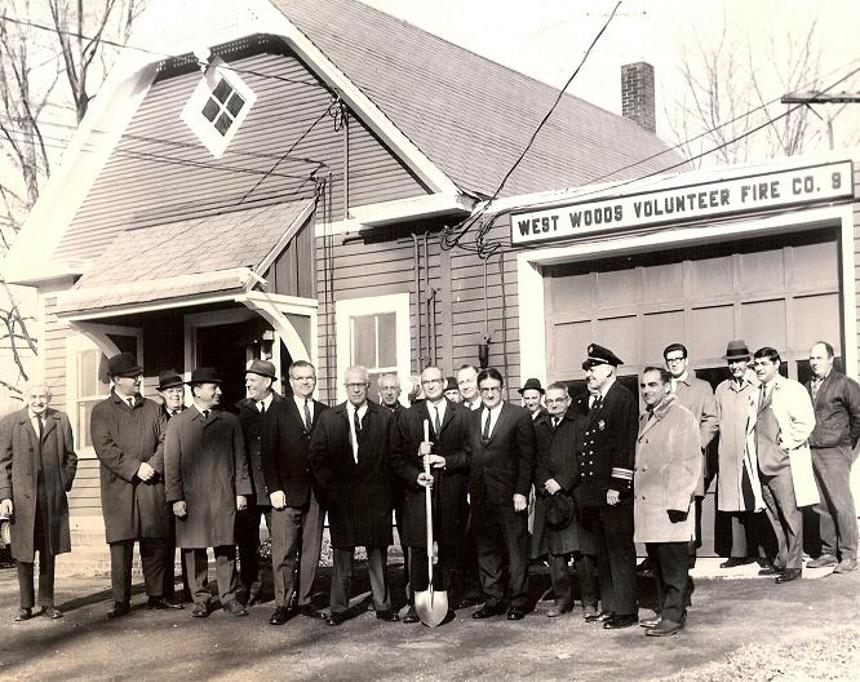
[428,506]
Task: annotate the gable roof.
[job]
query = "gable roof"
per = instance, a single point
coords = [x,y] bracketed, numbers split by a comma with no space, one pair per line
[217,253]
[471,116]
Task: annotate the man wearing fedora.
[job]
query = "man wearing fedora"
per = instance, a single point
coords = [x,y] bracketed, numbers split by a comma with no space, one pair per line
[297,516]
[668,464]
[738,486]
[557,532]
[604,491]
[37,468]
[207,482]
[128,437]
[254,413]
[697,396]
[532,397]
[452,391]
[171,391]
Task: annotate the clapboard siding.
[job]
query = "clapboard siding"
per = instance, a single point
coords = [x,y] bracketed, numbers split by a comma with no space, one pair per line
[84,497]
[159,172]
[857,252]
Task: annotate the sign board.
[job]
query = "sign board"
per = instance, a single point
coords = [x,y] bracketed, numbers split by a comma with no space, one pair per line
[723,197]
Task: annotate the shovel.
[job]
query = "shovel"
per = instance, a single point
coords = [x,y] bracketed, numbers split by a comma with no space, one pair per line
[431,606]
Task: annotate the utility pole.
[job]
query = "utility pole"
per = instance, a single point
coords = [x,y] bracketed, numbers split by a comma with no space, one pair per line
[810,98]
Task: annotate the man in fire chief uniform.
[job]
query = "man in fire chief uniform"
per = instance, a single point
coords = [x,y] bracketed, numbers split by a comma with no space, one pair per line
[604,489]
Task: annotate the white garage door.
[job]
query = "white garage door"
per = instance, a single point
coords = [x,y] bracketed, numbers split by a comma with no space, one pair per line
[776,292]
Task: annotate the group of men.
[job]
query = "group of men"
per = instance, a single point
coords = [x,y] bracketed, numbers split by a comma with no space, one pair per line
[603,475]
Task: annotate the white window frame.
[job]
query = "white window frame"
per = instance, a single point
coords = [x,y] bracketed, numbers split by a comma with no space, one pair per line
[192,112]
[374,305]
[77,343]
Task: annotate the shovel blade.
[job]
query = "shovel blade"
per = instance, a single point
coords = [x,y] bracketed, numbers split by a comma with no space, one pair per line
[431,606]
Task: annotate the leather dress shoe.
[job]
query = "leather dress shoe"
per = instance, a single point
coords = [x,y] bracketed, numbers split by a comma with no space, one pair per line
[604,616]
[234,608]
[334,619]
[120,608]
[770,570]
[388,616]
[516,613]
[310,611]
[200,610]
[52,612]
[559,610]
[845,566]
[280,616]
[665,628]
[731,562]
[161,604]
[618,622]
[589,613]
[822,562]
[651,623]
[411,616]
[488,611]
[788,575]
[23,614]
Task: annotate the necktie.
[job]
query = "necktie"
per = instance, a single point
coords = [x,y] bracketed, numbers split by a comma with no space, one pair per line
[597,401]
[486,434]
[437,424]
[205,414]
[357,422]
[554,423]
[173,413]
[308,416]
[262,407]
[130,402]
[761,397]
[41,427]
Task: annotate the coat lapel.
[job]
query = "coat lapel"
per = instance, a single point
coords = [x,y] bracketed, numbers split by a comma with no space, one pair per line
[27,425]
[504,414]
[51,420]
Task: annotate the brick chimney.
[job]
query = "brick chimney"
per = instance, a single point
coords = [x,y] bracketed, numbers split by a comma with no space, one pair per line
[637,94]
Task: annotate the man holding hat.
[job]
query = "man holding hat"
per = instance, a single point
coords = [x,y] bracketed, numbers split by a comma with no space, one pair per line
[128,437]
[738,486]
[604,491]
[557,532]
[171,390]
[254,414]
[297,516]
[207,482]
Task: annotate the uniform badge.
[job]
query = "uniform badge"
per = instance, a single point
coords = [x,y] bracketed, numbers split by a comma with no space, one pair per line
[601,425]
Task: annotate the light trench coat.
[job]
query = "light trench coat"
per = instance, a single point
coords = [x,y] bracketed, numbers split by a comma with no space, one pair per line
[667,471]
[732,411]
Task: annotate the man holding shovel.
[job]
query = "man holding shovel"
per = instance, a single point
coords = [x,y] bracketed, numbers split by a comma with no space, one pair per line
[436,430]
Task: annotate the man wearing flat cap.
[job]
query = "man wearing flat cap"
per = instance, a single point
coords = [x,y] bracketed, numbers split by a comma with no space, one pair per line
[171,390]
[254,412]
[604,489]
[738,485]
[128,437]
[207,482]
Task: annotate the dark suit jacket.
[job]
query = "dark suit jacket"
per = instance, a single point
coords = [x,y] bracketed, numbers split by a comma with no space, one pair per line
[254,426]
[450,509]
[837,412]
[286,450]
[607,450]
[357,495]
[504,466]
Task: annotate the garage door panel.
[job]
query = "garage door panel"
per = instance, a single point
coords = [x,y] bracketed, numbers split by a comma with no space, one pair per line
[619,287]
[663,282]
[569,341]
[816,318]
[711,277]
[815,265]
[710,329]
[574,292]
[659,330]
[763,324]
[762,271]
[621,334]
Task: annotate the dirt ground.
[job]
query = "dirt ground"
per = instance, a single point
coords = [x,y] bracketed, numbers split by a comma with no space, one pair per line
[744,629]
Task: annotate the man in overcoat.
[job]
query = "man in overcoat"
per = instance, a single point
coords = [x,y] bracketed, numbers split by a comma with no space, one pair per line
[297,515]
[502,460]
[255,412]
[350,460]
[37,468]
[557,531]
[779,422]
[207,482]
[448,430]
[738,487]
[697,396]
[604,489]
[127,431]
[667,471]
[836,400]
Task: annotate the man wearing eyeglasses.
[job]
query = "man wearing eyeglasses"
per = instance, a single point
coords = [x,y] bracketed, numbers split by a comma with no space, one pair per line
[502,444]
[698,397]
[448,432]
[349,453]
